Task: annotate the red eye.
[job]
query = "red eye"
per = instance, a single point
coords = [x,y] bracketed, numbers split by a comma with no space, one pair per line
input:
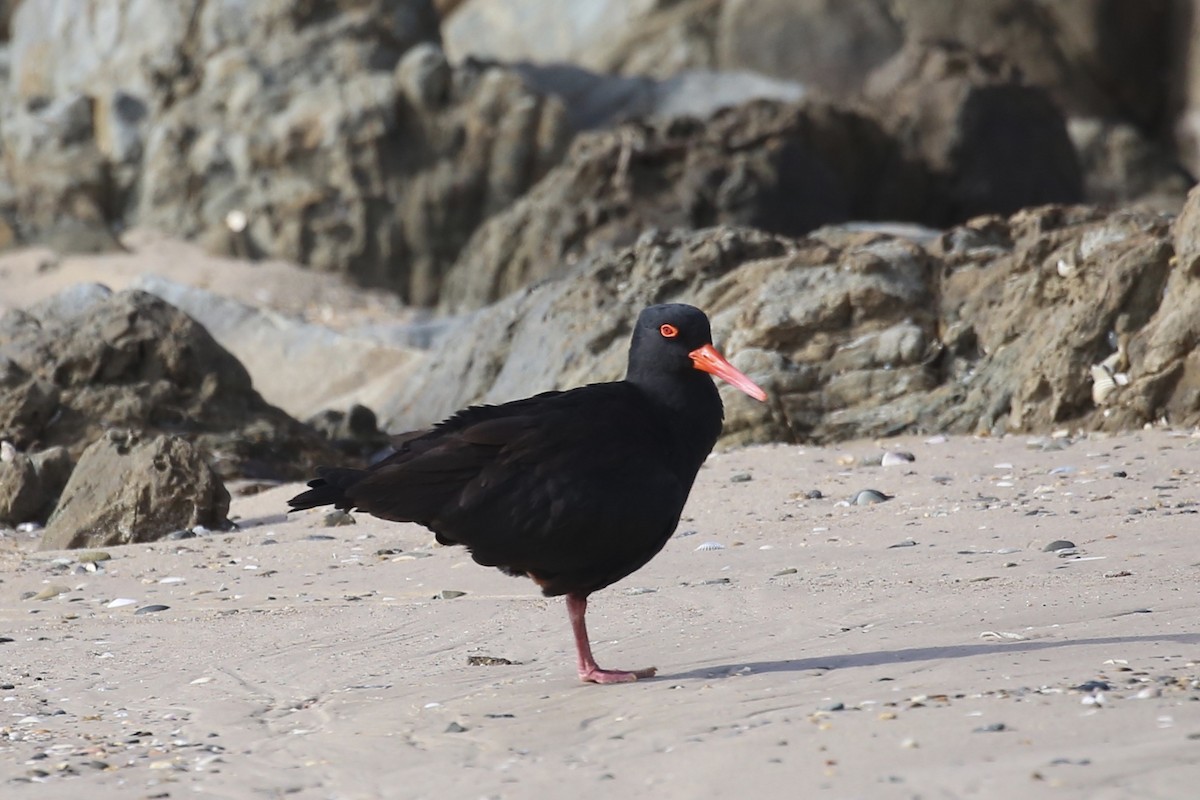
[668,330]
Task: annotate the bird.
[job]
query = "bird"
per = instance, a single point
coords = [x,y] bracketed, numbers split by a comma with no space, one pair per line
[574,489]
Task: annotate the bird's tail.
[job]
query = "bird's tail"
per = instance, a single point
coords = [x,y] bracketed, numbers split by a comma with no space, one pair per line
[328,489]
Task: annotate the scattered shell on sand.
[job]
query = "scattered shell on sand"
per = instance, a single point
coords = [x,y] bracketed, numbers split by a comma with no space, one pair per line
[869,497]
[710,546]
[121,602]
[893,458]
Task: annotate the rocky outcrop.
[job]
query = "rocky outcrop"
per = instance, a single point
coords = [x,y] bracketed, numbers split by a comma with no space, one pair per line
[781,168]
[335,135]
[1056,316]
[126,489]
[88,360]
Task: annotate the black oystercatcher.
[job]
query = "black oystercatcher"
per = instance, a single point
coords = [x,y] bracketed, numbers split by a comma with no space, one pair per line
[573,489]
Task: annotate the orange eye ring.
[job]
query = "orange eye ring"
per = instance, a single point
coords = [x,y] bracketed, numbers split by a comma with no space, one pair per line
[668,330]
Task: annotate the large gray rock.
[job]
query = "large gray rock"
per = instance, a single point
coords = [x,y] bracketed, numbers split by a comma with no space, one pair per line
[126,489]
[781,168]
[132,360]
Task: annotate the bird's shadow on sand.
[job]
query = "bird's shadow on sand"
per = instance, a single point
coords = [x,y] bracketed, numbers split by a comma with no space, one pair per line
[877,658]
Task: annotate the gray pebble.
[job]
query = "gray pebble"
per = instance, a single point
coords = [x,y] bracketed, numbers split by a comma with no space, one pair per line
[813,494]
[454,727]
[905,543]
[320,537]
[740,477]
[448,594]
[1093,686]
[995,727]
[151,609]
[869,497]
[1058,544]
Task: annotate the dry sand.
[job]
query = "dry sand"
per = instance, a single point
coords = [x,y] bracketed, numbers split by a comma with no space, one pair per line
[817,654]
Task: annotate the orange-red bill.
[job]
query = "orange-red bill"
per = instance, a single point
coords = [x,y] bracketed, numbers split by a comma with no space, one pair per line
[707,358]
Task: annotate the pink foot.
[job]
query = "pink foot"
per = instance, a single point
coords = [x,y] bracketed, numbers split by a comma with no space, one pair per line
[597,675]
[589,672]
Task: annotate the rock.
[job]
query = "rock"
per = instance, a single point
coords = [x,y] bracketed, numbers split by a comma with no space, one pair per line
[302,368]
[1004,366]
[21,495]
[1121,167]
[365,173]
[1096,58]
[596,100]
[337,137]
[781,168]
[127,489]
[31,483]
[134,361]
[27,403]
[63,194]
[829,44]
[355,432]
[993,144]
[531,30]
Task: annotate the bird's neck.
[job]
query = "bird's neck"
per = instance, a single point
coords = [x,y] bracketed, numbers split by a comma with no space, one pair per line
[691,410]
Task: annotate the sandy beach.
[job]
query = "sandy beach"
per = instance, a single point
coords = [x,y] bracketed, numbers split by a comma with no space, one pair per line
[926,646]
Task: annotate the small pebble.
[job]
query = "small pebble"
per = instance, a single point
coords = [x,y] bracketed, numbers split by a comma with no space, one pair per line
[337,518]
[1093,686]
[454,727]
[92,556]
[320,537]
[1058,544]
[813,494]
[151,609]
[995,727]
[905,543]
[740,477]
[53,590]
[448,594]
[787,571]
[868,497]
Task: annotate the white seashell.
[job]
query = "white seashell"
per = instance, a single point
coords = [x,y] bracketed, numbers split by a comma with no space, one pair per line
[1065,270]
[710,546]
[1103,384]
[895,457]
[121,602]
[1121,378]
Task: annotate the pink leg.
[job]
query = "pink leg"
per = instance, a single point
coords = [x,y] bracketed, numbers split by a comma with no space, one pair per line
[588,670]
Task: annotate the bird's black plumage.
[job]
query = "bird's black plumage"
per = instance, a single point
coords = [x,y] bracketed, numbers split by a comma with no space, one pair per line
[574,489]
